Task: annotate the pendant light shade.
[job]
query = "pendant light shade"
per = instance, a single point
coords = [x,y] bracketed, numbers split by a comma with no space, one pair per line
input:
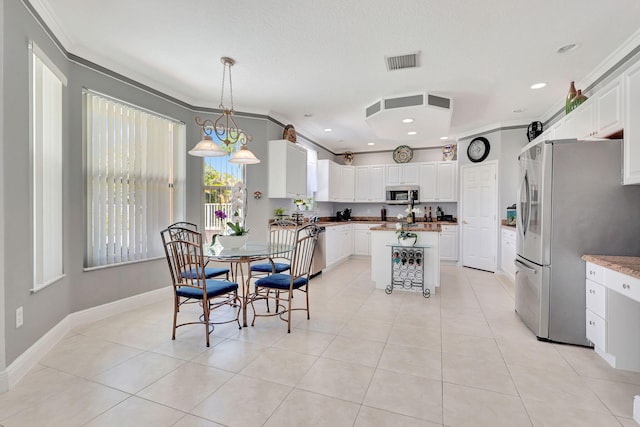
[244,156]
[207,148]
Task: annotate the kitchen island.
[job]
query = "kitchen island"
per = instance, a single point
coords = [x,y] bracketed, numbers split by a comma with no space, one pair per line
[385,235]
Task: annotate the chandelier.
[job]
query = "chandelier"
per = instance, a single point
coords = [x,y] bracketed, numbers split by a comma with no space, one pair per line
[224,129]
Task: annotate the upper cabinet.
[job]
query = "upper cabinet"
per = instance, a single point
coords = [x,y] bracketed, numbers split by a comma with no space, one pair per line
[599,116]
[438,182]
[336,183]
[287,169]
[402,174]
[632,124]
[369,183]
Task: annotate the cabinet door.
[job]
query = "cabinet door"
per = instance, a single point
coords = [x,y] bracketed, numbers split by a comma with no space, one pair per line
[447,182]
[609,109]
[446,246]
[332,242]
[428,182]
[632,125]
[363,183]
[409,174]
[376,183]
[347,183]
[296,170]
[334,182]
[393,175]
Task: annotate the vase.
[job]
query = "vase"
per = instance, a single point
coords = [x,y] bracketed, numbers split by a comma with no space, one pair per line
[577,100]
[407,241]
[572,93]
[232,242]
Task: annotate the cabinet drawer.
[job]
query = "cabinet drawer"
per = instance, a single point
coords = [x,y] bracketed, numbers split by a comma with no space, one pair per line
[621,283]
[596,298]
[449,228]
[595,273]
[509,236]
[596,330]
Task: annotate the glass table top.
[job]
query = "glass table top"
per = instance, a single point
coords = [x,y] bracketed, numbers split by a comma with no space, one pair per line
[248,250]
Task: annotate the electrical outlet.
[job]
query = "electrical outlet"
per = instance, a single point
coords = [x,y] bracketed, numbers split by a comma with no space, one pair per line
[19,317]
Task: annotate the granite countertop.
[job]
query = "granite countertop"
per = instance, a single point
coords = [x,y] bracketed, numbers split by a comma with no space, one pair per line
[417,227]
[629,265]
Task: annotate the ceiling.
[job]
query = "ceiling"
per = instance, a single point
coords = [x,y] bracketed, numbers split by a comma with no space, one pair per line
[320,64]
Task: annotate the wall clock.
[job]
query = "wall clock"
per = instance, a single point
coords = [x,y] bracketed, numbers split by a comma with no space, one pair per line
[478,149]
[402,154]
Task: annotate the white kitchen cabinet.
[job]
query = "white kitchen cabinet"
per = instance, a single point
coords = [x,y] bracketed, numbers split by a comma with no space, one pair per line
[346,186]
[339,243]
[336,183]
[612,316]
[609,107]
[402,174]
[362,238]
[287,169]
[449,243]
[631,82]
[438,182]
[508,252]
[369,183]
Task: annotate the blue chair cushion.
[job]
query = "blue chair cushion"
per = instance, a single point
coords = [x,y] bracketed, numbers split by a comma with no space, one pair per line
[280,281]
[214,288]
[209,272]
[268,268]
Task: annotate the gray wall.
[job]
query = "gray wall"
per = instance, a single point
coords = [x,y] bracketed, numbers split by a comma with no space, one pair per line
[80,289]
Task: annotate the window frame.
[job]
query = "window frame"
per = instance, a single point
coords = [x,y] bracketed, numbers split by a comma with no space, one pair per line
[46,85]
[175,185]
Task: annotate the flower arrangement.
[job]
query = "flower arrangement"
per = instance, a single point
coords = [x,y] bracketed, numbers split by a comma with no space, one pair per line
[236,228]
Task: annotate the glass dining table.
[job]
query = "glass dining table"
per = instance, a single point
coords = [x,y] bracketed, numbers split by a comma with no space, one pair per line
[241,259]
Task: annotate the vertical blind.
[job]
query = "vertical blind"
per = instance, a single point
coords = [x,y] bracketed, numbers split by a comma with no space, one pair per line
[46,145]
[135,180]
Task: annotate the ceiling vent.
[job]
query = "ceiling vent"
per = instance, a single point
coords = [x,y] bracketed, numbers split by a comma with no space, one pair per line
[431,116]
[400,62]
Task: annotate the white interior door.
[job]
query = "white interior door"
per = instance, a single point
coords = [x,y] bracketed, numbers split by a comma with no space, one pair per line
[480,216]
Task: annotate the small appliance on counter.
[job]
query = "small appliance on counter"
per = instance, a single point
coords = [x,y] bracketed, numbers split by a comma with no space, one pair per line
[343,215]
[511,215]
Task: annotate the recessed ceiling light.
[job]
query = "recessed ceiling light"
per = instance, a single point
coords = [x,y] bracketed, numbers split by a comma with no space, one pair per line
[371,143]
[519,110]
[444,137]
[308,115]
[567,48]
[407,120]
[538,85]
[328,129]
[413,132]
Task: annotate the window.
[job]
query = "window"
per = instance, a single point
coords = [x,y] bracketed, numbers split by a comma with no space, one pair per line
[46,168]
[135,180]
[220,176]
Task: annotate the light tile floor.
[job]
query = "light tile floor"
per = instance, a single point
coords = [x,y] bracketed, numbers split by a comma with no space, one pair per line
[460,358]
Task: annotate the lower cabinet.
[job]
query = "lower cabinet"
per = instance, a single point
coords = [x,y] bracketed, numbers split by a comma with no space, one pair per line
[362,239]
[449,243]
[342,241]
[612,316]
[508,257]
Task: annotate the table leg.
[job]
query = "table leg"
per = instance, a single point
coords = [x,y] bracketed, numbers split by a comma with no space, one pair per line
[242,283]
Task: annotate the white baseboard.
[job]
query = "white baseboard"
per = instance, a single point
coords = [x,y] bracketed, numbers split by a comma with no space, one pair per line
[636,409]
[30,358]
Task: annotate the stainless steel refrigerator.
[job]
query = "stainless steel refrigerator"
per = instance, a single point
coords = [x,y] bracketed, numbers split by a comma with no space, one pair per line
[571,202]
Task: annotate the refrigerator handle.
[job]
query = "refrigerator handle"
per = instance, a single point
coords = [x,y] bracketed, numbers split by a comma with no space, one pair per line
[524,266]
[526,206]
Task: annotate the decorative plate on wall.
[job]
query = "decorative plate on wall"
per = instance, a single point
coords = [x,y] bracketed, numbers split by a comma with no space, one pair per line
[402,154]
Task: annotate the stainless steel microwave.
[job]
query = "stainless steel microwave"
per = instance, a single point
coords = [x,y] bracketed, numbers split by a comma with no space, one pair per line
[402,194]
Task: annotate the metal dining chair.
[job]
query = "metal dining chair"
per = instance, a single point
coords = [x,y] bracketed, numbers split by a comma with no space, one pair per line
[174,230]
[185,257]
[280,286]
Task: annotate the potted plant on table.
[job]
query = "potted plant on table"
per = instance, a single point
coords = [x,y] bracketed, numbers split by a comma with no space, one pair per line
[237,234]
[405,237]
